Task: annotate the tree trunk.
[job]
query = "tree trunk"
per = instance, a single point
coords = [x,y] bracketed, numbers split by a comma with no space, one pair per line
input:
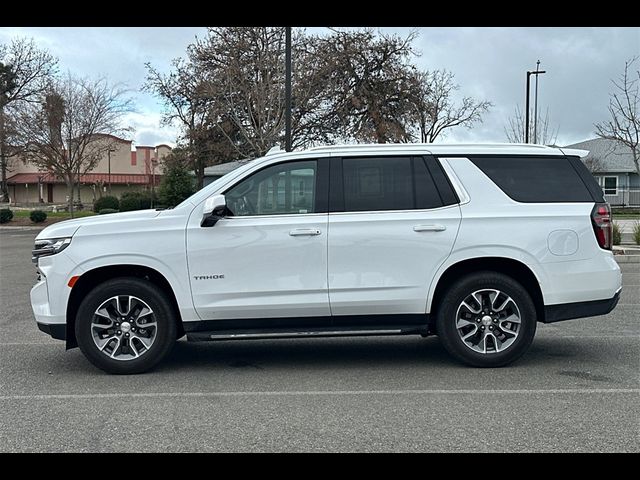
[4,189]
[69,181]
[200,175]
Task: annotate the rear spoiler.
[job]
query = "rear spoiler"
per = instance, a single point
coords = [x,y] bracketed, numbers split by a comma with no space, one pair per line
[574,152]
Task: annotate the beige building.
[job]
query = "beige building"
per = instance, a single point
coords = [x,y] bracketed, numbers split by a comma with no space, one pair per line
[120,170]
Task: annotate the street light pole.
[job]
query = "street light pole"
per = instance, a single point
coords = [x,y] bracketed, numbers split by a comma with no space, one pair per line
[287,91]
[109,157]
[526,122]
[535,108]
[153,181]
[526,115]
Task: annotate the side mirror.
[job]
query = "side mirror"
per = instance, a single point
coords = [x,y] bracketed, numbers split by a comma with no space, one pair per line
[215,208]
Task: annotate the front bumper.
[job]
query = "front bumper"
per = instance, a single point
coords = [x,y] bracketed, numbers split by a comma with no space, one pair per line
[42,309]
[56,330]
[567,311]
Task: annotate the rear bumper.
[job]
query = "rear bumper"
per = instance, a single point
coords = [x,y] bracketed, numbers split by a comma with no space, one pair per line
[567,311]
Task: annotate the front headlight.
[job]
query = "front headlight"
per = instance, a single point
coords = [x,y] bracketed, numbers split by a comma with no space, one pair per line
[48,247]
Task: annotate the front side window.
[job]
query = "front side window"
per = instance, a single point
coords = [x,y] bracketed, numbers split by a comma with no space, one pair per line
[286,188]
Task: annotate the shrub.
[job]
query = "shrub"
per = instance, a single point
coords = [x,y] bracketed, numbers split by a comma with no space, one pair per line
[176,185]
[636,233]
[617,234]
[129,203]
[135,201]
[145,201]
[105,211]
[106,202]
[5,215]
[38,216]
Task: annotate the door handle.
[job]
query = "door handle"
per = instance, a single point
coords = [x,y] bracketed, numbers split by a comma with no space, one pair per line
[298,232]
[429,228]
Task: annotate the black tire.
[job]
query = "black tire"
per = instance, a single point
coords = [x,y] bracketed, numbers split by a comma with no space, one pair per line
[446,319]
[164,314]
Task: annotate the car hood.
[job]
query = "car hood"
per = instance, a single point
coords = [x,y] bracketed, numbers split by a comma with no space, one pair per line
[67,228]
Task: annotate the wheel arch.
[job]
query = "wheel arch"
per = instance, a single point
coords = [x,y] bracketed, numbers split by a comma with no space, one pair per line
[92,278]
[515,269]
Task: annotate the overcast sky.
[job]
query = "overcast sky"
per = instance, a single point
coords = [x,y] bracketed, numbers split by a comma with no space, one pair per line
[489,63]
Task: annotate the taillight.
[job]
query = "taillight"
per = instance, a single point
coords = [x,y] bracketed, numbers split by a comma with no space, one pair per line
[602,227]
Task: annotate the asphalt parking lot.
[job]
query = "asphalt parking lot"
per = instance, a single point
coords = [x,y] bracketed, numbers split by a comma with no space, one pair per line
[577,389]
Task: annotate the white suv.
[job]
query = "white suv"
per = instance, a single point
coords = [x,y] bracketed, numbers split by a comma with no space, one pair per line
[474,243]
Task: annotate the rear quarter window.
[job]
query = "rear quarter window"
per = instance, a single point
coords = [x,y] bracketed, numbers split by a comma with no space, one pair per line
[535,179]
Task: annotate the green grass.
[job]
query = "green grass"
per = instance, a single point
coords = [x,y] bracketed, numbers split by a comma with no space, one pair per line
[25,214]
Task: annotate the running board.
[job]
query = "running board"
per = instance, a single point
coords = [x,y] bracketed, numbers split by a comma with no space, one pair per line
[306,333]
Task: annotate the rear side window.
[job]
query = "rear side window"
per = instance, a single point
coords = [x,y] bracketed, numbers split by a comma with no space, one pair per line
[388,183]
[535,179]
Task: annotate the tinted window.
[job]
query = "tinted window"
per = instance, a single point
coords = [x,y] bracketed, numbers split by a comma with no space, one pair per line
[285,188]
[392,183]
[587,178]
[447,193]
[535,179]
[426,192]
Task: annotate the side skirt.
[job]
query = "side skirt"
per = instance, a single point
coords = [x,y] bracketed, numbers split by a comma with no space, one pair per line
[306,327]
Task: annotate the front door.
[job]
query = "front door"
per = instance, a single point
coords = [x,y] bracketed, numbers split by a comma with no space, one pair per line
[49,192]
[268,258]
[389,231]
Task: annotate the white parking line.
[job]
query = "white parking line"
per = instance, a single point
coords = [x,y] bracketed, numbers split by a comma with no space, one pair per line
[312,393]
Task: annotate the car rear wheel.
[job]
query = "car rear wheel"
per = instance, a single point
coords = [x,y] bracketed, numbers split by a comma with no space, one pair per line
[487,319]
[125,325]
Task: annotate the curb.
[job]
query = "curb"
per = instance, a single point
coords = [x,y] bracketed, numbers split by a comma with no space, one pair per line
[627,258]
[19,228]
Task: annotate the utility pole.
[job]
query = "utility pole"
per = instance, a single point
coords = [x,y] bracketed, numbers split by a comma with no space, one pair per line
[287,91]
[526,122]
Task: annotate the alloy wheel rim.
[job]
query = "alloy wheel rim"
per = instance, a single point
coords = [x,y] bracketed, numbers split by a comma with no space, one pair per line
[488,321]
[123,327]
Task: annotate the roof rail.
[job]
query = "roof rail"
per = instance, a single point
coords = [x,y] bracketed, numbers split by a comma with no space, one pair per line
[425,145]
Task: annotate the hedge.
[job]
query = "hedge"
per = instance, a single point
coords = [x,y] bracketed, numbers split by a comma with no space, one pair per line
[106,202]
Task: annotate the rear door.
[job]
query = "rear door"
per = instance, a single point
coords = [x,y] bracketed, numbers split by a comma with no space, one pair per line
[390,227]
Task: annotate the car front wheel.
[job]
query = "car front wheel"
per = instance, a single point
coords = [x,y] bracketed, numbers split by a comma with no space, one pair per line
[125,325]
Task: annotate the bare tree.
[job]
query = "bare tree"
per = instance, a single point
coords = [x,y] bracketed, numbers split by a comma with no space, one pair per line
[71,128]
[371,88]
[435,107]
[514,131]
[25,71]
[624,103]
[242,70]
[594,164]
[188,104]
